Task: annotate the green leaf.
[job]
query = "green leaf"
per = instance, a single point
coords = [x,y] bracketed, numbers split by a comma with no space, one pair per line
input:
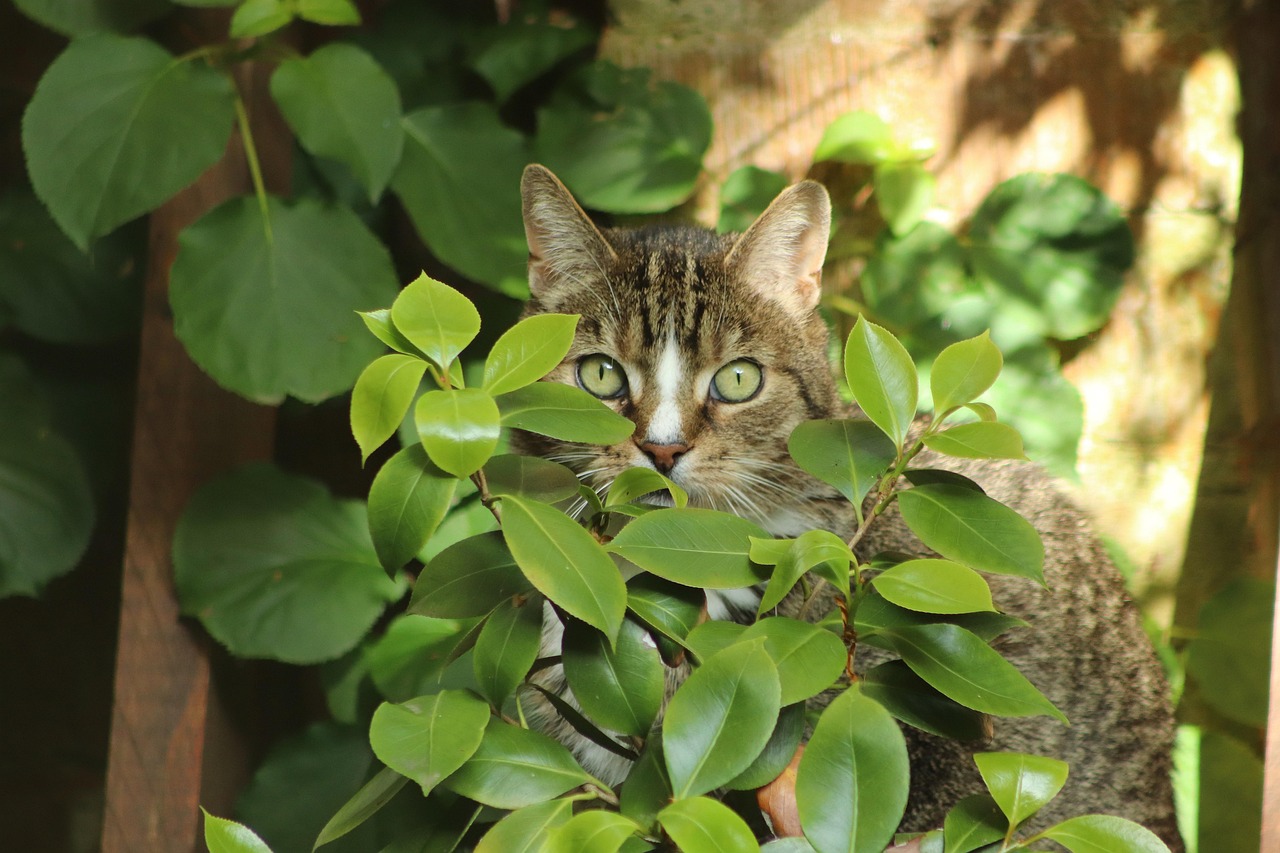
[407,500]
[364,804]
[265,305]
[344,106]
[563,412]
[857,137]
[964,370]
[408,659]
[912,280]
[974,822]
[1054,246]
[712,637]
[1230,653]
[1230,783]
[459,428]
[254,18]
[593,831]
[904,194]
[469,578]
[530,477]
[435,318]
[646,790]
[809,659]
[518,52]
[507,648]
[777,753]
[638,482]
[381,398]
[565,563]
[379,324]
[428,738]
[851,785]
[958,663]
[704,825]
[227,836]
[673,609]
[526,830]
[457,179]
[622,687]
[515,767]
[720,719]
[116,127]
[911,699]
[850,455]
[1098,833]
[82,17]
[934,586]
[528,351]
[981,440]
[333,13]
[875,614]
[1021,784]
[973,529]
[621,143]
[744,196]
[810,550]
[273,566]
[882,377]
[1034,397]
[695,547]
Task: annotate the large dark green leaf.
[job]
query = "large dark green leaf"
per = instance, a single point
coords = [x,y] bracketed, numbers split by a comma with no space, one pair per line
[695,547]
[621,688]
[274,566]
[117,126]
[564,412]
[851,785]
[1021,784]
[847,454]
[530,477]
[516,767]
[81,17]
[670,608]
[704,825]
[974,822]
[809,659]
[469,578]
[518,52]
[429,737]
[407,500]
[365,803]
[459,180]
[623,144]
[342,105]
[882,377]
[973,529]
[409,657]
[810,551]
[777,753]
[911,280]
[507,647]
[720,719]
[1230,653]
[913,701]
[266,304]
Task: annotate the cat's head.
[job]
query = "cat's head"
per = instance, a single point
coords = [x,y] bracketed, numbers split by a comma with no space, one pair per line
[709,343]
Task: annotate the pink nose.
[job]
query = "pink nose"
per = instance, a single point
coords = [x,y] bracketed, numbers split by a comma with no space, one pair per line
[664,455]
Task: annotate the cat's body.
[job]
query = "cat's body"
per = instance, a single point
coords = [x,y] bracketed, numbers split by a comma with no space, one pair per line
[711,345]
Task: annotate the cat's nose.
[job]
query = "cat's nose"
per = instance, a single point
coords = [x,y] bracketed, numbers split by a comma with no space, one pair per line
[664,456]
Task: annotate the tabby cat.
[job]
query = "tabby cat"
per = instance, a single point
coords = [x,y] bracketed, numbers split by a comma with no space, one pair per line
[711,345]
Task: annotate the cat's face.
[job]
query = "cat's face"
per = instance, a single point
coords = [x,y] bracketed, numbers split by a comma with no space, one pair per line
[708,343]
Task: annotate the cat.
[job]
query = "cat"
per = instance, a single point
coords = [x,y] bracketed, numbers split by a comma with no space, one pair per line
[712,346]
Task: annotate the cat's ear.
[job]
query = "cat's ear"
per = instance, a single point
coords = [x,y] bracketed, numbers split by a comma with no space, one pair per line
[780,256]
[564,245]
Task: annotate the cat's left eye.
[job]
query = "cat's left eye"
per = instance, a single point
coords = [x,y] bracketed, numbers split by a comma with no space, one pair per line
[737,382]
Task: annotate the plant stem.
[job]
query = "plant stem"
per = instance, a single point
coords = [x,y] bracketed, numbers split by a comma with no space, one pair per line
[255,168]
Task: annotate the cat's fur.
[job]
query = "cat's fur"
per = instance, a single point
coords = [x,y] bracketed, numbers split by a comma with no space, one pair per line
[672,305]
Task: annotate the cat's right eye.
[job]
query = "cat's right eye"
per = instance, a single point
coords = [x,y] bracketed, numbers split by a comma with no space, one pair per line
[601,376]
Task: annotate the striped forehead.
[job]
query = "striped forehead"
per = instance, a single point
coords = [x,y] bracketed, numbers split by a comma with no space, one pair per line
[676,278]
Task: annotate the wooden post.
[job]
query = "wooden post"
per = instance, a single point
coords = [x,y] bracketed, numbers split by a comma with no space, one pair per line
[168,751]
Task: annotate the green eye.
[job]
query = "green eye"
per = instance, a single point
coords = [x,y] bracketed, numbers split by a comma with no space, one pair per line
[737,382]
[602,376]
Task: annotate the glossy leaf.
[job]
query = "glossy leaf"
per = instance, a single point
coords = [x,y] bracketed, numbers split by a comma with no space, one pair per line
[506,648]
[410,656]
[528,351]
[857,137]
[459,428]
[712,637]
[1098,833]
[530,477]
[1229,654]
[457,179]
[257,18]
[963,371]
[958,663]
[227,836]
[379,324]
[428,738]
[1021,784]
[364,804]
[777,753]
[904,194]
[344,106]
[564,412]
[516,767]
[646,790]
[809,659]
[407,500]
[695,547]
[875,614]
[911,699]
[116,127]
[934,586]
[469,578]
[526,830]
[303,558]
[592,831]
[565,563]
[719,720]
[850,455]
[704,825]
[331,13]
[851,785]
[810,550]
[637,482]
[973,529]
[974,822]
[744,196]
[266,305]
[981,440]
[671,608]
[381,398]
[435,318]
[621,688]
[882,377]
